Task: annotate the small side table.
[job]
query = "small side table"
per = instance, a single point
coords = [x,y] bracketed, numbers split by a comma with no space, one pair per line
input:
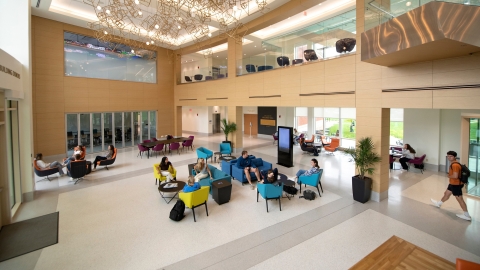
[221,191]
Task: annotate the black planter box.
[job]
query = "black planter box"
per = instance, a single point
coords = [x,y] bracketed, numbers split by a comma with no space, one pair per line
[361,188]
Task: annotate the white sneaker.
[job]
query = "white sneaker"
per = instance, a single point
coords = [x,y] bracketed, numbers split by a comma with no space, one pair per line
[462,216]
[252,187]
[71,178]
[93,169]
[435,203]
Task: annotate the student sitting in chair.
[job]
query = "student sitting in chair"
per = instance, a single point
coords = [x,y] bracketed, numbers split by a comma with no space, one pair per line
[269,177]
[43,165]
[191,185]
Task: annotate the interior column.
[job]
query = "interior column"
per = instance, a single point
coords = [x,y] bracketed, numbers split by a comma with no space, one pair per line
[234,56]
[178,121]
[235,114]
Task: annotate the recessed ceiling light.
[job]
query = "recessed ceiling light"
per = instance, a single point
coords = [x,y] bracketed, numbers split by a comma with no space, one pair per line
[137,2]
[148,43]
[255,46]
[132,51]
[99,7]
[408,4]
[156,26]
[152,42]
[179,27]
[107,11]
[209,34]
[105,32]
[319,4]
[140,13]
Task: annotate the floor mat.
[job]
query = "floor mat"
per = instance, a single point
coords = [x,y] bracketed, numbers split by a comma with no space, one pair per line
[29,235]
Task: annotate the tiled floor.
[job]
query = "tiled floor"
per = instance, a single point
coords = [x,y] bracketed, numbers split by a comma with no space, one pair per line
[116,219]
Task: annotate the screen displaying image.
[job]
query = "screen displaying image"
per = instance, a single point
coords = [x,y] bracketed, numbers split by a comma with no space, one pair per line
[284,140]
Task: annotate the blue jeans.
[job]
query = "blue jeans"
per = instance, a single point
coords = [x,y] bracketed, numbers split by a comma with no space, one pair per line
[300,172]
[57,164]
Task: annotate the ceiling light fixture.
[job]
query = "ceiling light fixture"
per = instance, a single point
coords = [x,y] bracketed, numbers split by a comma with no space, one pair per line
[408,4]
[125,19]
[99,7]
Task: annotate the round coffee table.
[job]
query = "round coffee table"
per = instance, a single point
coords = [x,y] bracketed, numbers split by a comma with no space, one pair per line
[163,188]
[227,158]
[282,178]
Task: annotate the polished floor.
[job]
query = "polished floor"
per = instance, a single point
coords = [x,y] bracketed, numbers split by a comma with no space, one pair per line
[116,219]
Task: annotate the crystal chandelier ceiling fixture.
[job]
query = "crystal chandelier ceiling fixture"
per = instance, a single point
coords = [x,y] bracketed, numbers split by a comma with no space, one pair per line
[169,23]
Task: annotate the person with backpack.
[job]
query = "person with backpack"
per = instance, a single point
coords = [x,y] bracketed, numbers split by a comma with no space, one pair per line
[455,186]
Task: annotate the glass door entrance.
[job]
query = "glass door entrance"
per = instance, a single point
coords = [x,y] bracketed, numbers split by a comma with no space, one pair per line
[473,187]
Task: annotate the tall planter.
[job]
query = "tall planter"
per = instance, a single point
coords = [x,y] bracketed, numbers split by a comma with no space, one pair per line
[361,188]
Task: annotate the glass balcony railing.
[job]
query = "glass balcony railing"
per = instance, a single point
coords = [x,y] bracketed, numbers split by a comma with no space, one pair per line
[378,12]
[204,74]
[312,43]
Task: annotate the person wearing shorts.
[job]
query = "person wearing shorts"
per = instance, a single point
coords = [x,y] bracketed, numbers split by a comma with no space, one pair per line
[455,186]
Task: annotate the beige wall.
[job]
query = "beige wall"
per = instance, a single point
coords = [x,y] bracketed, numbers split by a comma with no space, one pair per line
[54,94]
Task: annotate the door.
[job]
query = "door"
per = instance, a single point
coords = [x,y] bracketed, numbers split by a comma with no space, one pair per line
[473,187]
[216,123]
[250,121]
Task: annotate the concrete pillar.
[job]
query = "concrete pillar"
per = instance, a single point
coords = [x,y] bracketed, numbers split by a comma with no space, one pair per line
[235,114]
[234,57]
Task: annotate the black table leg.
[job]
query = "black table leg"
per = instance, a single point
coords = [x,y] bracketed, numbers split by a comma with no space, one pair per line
[171,198]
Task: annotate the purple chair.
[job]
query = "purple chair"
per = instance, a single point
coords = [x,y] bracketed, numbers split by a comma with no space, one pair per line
[187,143]
[275,138]
[154,139]
[419,162]
[175,146]
[191,138]
[157,148]
[220,76]
[392,160]
[142,149]
[207,78]
[146,141]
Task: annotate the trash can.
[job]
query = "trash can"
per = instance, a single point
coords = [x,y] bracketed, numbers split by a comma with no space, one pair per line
[447,162]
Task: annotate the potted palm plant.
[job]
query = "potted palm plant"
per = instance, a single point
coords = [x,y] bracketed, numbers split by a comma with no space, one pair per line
[365,159]
[227,128]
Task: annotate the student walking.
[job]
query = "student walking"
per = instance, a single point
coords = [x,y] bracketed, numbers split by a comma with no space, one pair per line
[455,186]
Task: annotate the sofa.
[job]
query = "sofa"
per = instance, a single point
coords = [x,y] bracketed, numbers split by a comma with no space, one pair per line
[239,174]
[227,165]
[216,175]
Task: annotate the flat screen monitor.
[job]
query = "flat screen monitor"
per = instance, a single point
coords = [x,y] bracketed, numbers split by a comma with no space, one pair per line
[284,139]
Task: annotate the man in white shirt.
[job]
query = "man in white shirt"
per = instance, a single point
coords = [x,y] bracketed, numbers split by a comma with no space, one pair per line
[43,165]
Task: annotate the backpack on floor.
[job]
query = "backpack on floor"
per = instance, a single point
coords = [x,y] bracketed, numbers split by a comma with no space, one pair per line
[464,173]
[178,210]
[309,195]
[290,190]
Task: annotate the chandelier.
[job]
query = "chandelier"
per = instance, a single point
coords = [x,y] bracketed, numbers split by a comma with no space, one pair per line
[169,23]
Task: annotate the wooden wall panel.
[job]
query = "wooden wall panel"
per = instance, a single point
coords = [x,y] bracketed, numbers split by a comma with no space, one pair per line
[55,94]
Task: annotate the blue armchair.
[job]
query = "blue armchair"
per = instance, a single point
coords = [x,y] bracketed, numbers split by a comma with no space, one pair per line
[227,165]
[239,173]
[311,180]
[216,175]
[204,153]
[270,192]
[225,149]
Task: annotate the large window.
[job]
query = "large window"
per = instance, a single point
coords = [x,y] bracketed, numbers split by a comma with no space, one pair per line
[96,131]
[90,58]
[396,126]
[301,119]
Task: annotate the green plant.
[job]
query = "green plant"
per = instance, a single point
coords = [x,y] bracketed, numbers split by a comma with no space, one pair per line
[228,127]
[364,156]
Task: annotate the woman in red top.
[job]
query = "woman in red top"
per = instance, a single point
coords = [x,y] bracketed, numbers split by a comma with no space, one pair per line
[455,186]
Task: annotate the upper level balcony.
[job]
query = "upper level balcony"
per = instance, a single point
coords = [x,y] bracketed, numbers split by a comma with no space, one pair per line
[435,30]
